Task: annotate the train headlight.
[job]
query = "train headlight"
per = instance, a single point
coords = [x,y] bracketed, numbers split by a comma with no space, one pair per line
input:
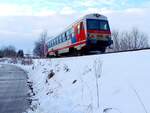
[92,36]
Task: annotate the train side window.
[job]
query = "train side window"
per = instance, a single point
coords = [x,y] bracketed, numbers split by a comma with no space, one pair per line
[55,41]
[67,34]
[72,33]
[64,37]
[61,38]
[52,43]
[78,29]
[49,44]
[58,40]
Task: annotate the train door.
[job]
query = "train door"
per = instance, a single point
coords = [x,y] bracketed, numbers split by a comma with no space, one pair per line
[80,32]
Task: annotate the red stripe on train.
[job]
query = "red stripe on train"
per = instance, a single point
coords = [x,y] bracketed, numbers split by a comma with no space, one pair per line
[97,31]
[76,44]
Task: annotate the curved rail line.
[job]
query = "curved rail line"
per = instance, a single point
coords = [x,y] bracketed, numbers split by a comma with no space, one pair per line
[104,53]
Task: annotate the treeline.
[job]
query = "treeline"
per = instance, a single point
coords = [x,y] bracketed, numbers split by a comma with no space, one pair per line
[129,40]
[10,51]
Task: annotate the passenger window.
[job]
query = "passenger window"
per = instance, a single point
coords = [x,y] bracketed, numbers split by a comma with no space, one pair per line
[78,29]
[57,40]
[60,38]
[67,33]
[65,37]
[52,43]
[68,37]
[49,44]
[72,33]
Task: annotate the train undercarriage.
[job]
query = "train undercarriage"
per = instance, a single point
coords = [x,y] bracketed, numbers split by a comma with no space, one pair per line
[88,49]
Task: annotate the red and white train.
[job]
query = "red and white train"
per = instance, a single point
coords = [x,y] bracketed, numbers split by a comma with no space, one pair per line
[90,33]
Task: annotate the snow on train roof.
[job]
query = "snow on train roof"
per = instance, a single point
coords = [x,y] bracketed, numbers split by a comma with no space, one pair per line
[95,16]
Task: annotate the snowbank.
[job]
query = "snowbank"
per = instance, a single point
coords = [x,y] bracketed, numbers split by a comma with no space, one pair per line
[111,83]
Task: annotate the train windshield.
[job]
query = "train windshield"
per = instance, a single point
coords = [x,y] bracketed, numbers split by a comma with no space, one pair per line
[93,24]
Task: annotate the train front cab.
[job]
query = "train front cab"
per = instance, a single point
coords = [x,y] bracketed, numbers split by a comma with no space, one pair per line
[98,35]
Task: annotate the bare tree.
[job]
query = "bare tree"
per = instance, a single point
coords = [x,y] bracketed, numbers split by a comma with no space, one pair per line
[129,40]
[140,39]
[116,40]
[39,48]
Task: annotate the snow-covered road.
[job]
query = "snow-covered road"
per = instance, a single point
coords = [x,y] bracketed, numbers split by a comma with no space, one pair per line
[13,90]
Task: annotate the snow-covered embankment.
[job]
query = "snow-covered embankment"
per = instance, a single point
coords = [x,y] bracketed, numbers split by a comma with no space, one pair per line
[112,83]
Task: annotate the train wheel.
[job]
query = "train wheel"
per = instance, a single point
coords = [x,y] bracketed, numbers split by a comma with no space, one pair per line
[56,54]
[71,52]
[47,56]
[103,50]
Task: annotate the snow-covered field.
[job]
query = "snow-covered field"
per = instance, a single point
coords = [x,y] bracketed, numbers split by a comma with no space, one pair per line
[110,83]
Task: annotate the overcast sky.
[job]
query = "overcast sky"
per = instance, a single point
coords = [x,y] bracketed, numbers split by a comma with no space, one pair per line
[22,21]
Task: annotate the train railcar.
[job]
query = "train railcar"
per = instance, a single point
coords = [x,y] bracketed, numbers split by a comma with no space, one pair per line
[90,33]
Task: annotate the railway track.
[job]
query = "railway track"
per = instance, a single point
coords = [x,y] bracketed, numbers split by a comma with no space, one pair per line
[127,50]
[123,51]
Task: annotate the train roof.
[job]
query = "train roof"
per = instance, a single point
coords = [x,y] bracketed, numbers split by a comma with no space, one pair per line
[95,16]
